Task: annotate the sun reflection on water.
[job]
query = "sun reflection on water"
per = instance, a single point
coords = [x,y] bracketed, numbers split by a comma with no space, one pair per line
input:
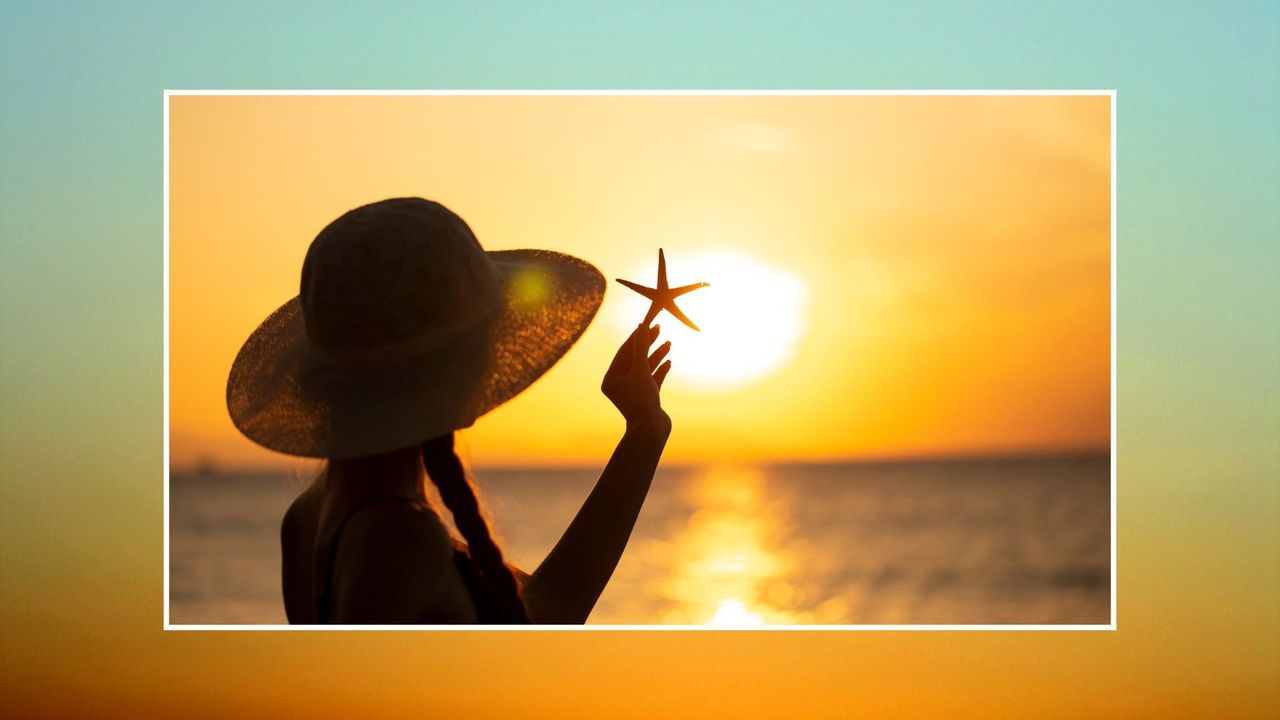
[728,563]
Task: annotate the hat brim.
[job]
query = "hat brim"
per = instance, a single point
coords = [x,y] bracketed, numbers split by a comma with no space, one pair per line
[280,397]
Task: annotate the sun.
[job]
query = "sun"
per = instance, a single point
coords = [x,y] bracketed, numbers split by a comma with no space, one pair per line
[752,317]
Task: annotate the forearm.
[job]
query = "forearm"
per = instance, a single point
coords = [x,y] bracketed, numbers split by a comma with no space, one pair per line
[566,586]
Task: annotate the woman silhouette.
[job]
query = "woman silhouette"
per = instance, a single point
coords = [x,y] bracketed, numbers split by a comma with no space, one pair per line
[404,331]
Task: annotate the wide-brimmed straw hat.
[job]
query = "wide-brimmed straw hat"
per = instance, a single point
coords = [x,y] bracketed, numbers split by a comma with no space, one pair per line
[405,329]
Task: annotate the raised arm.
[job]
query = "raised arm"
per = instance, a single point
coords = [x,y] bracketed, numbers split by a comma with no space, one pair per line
[567,584]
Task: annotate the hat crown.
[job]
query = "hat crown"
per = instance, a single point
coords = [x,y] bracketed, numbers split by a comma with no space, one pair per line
[393,270]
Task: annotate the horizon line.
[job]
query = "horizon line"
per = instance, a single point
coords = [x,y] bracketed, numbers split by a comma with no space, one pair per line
[213,466]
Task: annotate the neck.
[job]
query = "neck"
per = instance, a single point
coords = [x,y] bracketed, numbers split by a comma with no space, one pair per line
[394,473]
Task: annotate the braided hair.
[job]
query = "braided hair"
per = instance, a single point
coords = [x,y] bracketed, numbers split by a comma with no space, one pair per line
[459,495]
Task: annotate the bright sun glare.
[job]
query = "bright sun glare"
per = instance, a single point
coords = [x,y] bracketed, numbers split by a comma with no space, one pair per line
[752,317]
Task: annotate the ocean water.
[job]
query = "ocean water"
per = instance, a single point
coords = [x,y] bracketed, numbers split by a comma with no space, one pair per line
[1018,540]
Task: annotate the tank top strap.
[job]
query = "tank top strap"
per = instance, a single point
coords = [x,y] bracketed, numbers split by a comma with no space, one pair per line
[322,576]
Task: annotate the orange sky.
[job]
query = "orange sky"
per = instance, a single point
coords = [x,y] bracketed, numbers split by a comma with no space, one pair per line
[946,258]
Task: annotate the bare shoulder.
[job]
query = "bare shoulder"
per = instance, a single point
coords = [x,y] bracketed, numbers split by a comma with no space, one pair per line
[300,519]
[297,545]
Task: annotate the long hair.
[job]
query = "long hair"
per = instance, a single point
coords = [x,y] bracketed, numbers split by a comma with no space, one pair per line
[459,495]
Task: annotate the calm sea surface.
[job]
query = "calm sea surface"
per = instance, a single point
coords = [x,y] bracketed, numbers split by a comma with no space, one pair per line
[1005,541]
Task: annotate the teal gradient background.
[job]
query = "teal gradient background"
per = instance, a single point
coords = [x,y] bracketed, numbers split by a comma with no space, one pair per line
[1198,351]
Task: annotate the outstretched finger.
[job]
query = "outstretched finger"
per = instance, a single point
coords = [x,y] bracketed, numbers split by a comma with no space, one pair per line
[658,355]
[622,358]
[640,345]
[661,374]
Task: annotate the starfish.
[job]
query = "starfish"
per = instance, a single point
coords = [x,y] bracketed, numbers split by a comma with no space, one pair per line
[663,297]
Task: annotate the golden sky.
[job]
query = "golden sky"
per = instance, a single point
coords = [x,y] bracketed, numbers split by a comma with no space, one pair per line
[890,275]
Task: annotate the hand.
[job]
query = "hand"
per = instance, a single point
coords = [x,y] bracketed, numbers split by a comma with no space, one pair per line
[634,378]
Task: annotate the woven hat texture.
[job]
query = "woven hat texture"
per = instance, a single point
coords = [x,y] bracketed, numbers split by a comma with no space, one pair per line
[404,329]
